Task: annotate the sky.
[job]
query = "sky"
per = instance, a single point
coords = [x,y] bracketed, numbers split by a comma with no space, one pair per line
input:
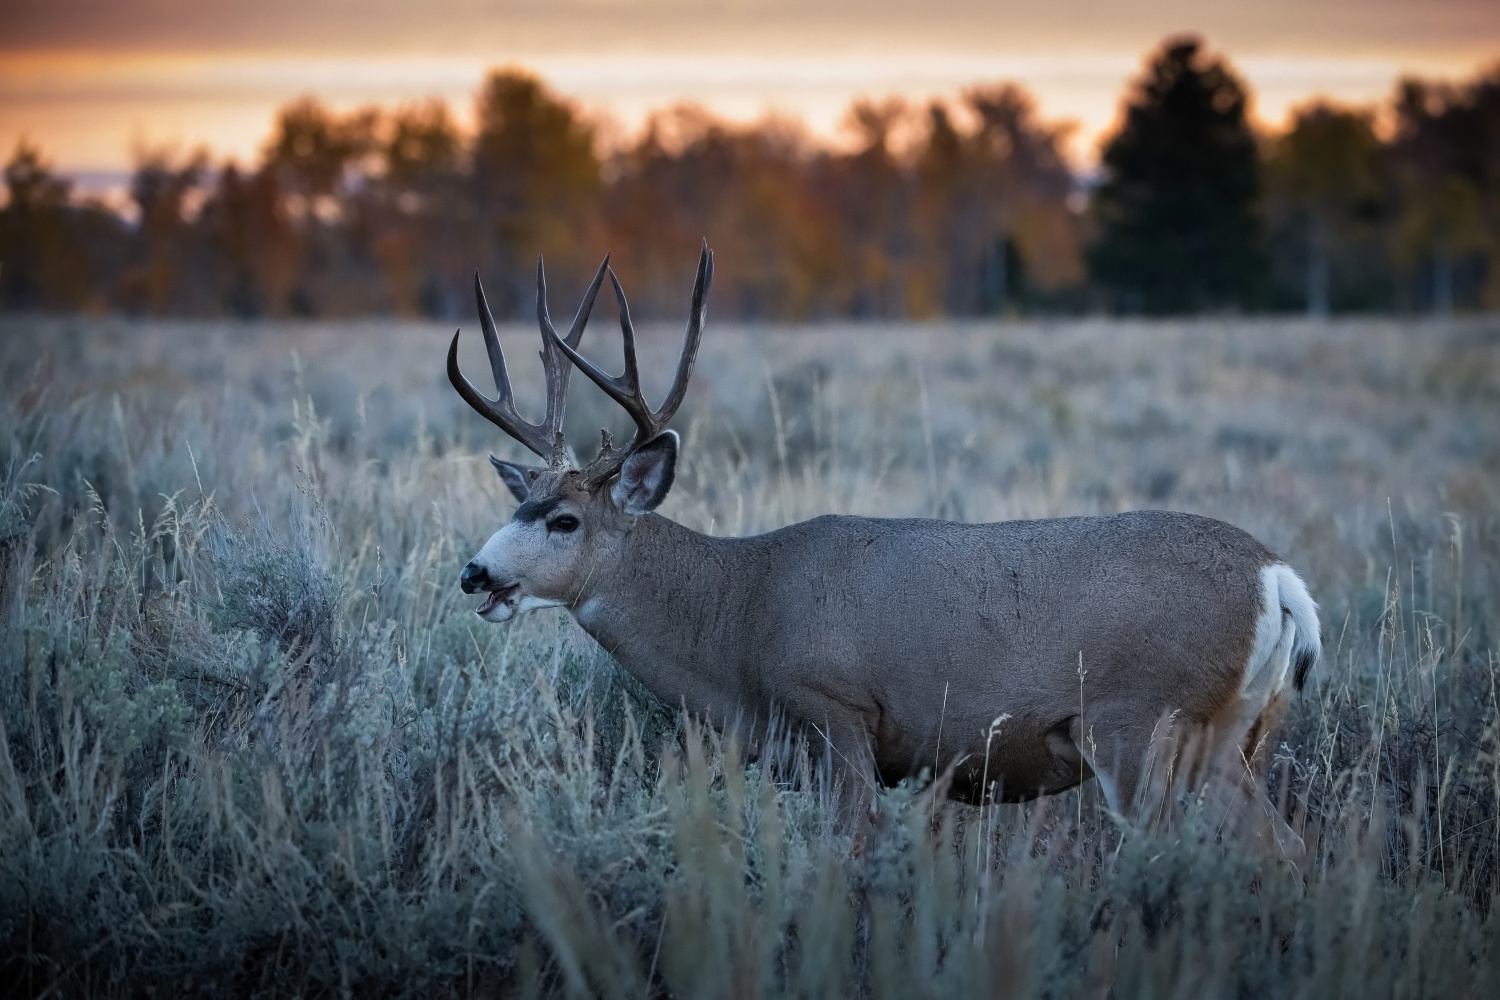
[93,82]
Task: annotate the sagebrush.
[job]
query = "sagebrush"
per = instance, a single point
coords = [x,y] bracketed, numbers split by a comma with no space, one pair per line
[255,743]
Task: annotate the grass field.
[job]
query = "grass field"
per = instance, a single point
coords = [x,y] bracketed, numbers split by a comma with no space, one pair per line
[255,742]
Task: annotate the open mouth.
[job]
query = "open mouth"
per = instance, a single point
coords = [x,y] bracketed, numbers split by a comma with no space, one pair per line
[495,598]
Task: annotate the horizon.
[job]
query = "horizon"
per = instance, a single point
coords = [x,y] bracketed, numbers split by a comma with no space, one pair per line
[92,84]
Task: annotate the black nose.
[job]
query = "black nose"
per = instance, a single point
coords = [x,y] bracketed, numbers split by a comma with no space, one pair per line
[473,578]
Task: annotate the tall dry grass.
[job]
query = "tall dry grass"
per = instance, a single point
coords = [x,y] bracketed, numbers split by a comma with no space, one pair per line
[255,743]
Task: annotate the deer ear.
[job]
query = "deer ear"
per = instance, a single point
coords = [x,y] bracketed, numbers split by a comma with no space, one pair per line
[647,474]
[517,477]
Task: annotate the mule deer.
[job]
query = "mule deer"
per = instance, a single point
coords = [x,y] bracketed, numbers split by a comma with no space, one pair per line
[898,640]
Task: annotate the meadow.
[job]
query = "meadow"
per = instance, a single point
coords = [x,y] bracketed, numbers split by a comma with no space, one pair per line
[255,743]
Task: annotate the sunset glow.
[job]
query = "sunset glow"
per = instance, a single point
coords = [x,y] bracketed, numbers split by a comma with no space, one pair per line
[93,83]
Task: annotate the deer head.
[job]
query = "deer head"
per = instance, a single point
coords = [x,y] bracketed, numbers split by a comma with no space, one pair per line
[572,519]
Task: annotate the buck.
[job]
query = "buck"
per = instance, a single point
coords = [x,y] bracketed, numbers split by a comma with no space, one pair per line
[900,642]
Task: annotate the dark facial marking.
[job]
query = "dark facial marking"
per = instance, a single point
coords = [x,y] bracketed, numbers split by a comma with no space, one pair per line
[535,510]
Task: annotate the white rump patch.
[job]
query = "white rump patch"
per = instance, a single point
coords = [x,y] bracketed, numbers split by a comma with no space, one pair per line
[1286,630]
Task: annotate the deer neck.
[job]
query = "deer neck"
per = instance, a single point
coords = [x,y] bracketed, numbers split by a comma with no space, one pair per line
[657,606]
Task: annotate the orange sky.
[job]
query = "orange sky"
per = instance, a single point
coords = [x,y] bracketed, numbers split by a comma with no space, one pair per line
[90,80]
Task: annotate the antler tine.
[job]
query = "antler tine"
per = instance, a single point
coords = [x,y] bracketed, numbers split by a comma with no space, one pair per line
[554,364]
[495,412]
[631,397]
[501,411]
[625,389]
[543,438]
[693,336]
[581,318]
[492,347]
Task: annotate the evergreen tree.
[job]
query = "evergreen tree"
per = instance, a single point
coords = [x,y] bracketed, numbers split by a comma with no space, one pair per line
[1177,209]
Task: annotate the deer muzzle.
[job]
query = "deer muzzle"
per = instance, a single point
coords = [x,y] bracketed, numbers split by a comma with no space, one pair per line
[474,578]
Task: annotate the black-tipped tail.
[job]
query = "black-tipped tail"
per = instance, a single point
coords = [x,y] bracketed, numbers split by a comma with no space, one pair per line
[1306,660]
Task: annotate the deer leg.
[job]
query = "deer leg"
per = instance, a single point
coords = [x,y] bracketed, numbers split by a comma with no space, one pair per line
[1257,742]
[1255,759]
[850,771]
[1117,753]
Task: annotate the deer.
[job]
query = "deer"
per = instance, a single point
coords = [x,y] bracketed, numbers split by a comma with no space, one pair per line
[1017,659]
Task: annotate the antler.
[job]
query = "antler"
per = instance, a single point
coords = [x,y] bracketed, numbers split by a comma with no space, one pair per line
[625,389]
[546,437]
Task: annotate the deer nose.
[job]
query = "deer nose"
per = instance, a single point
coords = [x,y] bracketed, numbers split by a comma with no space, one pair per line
[473,578]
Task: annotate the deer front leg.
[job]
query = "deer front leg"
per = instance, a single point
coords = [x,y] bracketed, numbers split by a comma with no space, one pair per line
[838,723]
[843,743]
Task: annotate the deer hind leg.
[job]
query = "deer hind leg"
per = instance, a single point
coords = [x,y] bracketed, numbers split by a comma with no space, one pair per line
[1256,713]
[1255,748]
[1254,753]
[1285,648]
[1141,768]
[1248,724]
[1117,753]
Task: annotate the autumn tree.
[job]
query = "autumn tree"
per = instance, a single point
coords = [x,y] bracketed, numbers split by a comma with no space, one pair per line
[314,148]
[1323,203]
[1177,210]
[1033,236]
[424,237]
[870,195]
[991,206]
[161,276]
[536,185]
[1444,176]
[319,160]
[31,230]
[423,147]
[252,245]
[54,254]
[749,189]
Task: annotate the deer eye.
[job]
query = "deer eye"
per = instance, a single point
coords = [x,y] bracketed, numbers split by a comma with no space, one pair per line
[563,524]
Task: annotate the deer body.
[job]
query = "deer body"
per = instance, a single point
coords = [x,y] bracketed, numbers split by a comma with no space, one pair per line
[1029,655]
[864,628]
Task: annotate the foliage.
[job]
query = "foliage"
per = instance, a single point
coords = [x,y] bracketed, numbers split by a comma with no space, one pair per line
[52,250]
[1323,207]
[391,211]
[1445,179]
[992,204]
[958,207]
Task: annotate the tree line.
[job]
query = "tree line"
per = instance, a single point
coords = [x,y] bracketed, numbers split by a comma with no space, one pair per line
[958,207]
